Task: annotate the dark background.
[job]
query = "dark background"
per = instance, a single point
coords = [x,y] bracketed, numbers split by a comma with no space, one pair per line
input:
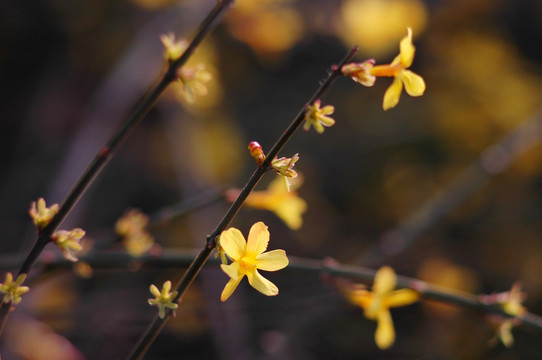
[402,187]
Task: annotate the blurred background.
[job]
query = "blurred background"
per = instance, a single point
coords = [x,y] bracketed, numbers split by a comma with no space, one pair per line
[443,187]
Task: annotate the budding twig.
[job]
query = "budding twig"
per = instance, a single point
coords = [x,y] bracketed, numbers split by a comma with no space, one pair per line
[193,270]
[140,110]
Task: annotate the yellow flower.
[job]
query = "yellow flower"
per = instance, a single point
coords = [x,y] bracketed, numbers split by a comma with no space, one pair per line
[12,289]
[365,73]
[172,49]
[511,303]
[317,117]
[192,82]
[377,303]
[69,242]
[42,215]
[248,257]
[287,205]
[413,83]
[284,167]
[163,299]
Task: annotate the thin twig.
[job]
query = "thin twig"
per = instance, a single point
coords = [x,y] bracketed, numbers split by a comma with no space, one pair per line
[175,258]
[140,110]
[494,160]
[184,283]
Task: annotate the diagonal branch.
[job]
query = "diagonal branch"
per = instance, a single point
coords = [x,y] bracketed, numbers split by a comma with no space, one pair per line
[140,110]
[193,270]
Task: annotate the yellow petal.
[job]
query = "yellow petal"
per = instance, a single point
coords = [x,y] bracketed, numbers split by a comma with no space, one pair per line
[277,186]
[505,333]
[272,260]
[360,297]
[261,284]
[233,242]
[166,287]
[258,238]
[154,290]
[414,83]
[407,50]
[290,211]
[385,280]
[229,289]
[392,95]
[232,270]
[385,333]
[402,297]
[326,121]
[328,110]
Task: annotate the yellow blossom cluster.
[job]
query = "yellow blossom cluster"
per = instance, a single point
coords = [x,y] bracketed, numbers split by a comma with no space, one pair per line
[511,303]
[67,241]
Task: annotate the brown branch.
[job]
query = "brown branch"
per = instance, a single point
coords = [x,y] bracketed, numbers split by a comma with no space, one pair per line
[140,110]
[184,283]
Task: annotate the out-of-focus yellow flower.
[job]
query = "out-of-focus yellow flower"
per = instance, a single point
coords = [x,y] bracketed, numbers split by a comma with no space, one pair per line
[69,242]
[284,167]
[217,148]
[83,269]
[511,302]
[504,333]
[13,290]
[377,303]
[132,221]
[41,214]
[173,49]
[250,21]
[318,117]
[139,243]
[248,257]
[413,83]
[163,299]
[376,24]
[135,238]
[193,81]
[287,205]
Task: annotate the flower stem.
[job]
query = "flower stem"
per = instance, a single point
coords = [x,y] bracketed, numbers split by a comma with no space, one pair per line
[193,270]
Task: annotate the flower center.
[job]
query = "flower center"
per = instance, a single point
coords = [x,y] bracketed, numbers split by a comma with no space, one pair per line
[247,264]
